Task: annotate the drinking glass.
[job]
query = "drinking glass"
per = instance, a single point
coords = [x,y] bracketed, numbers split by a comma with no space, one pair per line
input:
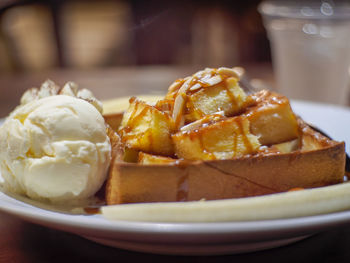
[310,46]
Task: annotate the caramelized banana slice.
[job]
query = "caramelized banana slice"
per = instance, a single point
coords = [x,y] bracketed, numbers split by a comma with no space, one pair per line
[272,119]
[147,129]
[223,139]
[206,92]
[225,96]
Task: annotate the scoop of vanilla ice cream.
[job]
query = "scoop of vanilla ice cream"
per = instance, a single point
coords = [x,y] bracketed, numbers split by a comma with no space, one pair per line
[55,148]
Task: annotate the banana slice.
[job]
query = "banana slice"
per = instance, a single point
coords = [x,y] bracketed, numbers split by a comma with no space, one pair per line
[145,128]
[300,203]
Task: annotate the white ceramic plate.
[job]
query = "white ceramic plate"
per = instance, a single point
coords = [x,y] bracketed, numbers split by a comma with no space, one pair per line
[200,238]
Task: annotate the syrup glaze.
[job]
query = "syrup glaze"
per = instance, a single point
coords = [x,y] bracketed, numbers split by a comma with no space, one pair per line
[138,115]
[182,87]
[256,104]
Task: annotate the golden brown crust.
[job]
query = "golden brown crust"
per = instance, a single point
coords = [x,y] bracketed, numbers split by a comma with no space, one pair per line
[289,154]
[220,179]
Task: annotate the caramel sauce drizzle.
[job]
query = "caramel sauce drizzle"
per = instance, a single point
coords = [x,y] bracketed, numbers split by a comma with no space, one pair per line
[230,95]
[132,123]
[135,118]
[296,189]
[190,108]
[235,142]
[245,139]
[92,210]
[197,134]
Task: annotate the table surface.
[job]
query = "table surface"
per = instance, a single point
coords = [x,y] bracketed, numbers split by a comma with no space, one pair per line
[24,242]
[21,241]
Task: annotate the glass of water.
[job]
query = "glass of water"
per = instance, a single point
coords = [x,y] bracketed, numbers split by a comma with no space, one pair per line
[310,44]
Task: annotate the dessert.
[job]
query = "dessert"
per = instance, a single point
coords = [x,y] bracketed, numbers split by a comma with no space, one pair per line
[208,139]
[55,148]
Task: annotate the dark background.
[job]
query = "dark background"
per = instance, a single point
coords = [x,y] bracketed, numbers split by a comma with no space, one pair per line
[39,35]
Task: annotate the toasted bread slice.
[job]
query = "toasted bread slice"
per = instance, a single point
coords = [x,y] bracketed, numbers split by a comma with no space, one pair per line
[252,175]
[207,139]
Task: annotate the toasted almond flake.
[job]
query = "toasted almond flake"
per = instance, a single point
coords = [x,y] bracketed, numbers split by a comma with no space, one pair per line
[207,72]
[239,70]
[228,71]
[192,126]
[185,86]
[69,89]
[199,74]
[213,80]
[179,103]
[219,113]
[195,87]
[178,109]
[175,85]
[87,95]
[48,88]
[29,95]
[205,77]
[198,123]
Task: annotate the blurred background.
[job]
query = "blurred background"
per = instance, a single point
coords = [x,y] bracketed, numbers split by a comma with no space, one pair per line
[40,38]
[36,35]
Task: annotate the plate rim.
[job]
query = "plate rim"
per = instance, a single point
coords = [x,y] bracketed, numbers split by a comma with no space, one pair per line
[246,229]
[137,230]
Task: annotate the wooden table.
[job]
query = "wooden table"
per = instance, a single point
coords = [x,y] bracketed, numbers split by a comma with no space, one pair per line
[23,242]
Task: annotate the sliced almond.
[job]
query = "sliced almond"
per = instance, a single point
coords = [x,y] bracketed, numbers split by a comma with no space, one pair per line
[228,71]
[195,87]
[175,85]
[239,71]
[198,123]
[69,89]
[178,110]
[29,95]
[213,80]
[202,73]
[48,88]
[179,103]
[87,95]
